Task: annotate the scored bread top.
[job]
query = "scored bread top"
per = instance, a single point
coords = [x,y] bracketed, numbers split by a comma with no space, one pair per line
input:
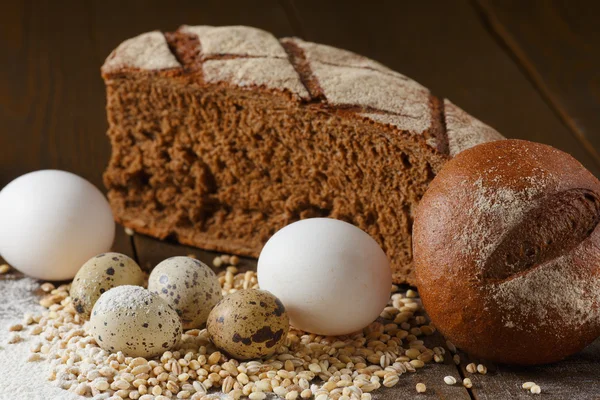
[235,40]
[148,51]
[308,73]
[273,73]
[465,131]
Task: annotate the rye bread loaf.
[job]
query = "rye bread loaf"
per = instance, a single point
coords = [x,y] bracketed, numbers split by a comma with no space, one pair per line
[507,252]
[223,135]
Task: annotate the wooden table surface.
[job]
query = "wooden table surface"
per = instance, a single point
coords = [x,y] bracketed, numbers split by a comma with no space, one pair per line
[531,69]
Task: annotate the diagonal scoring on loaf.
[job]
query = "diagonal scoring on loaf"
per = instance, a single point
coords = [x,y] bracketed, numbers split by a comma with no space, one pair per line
[186,48]
[271,73]
[245,57]
[334,78]
[390,97]
[235,40]
[557,225]
[298,60]
[325,54]
[344,78]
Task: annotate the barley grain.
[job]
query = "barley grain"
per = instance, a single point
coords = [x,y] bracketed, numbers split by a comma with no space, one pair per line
[257,396]
[391,380]
[351,367]
[449,380]
[528,385]
[47,287]
[15,338]
[451,346]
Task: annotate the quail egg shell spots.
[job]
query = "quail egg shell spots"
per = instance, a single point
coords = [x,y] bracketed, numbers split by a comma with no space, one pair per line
[248,324]
[135,321]
[99,274]
[189,286]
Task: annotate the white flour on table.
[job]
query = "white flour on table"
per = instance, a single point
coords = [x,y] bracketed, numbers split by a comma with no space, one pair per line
[20,379]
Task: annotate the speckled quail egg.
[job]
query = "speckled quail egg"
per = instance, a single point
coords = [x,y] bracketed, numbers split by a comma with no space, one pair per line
[249,323]
[135,321]
[99,274]
[189,286]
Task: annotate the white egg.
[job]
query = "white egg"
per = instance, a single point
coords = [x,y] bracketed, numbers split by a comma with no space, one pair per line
[332,277]
[52,222]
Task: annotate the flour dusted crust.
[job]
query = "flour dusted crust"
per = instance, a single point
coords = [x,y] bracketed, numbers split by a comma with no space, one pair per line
[271,73]
[418,120]
[236,133]
[322,53]
[464,131]
[514,227]
[345,78]
[372,89]
[236,40]
[148,51]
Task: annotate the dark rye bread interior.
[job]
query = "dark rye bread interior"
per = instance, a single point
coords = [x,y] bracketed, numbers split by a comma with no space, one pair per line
[223,165]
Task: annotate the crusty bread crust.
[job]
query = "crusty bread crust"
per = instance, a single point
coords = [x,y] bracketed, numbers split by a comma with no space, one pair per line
[165,91]
[507,252]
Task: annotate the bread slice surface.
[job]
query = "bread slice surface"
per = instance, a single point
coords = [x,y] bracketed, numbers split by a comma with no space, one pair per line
[223,135]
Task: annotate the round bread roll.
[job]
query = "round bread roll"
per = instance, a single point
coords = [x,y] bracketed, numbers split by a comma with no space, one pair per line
[507,252]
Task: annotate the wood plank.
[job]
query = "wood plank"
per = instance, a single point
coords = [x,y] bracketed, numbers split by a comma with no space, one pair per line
[432,375]
[556,42]
[444,46]
[51,103]
[576,378]
[109,28]
[151,251]
[52,99]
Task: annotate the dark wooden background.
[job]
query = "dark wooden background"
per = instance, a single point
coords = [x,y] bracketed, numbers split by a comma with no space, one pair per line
[530,68]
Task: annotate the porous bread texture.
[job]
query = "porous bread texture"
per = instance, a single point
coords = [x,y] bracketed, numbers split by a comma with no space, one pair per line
[251,133]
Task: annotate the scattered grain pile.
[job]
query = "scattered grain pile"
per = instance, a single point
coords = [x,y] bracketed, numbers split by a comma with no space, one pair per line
[306,366]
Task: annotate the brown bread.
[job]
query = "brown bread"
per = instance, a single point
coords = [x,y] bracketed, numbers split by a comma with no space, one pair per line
[507,252]
[223,135]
